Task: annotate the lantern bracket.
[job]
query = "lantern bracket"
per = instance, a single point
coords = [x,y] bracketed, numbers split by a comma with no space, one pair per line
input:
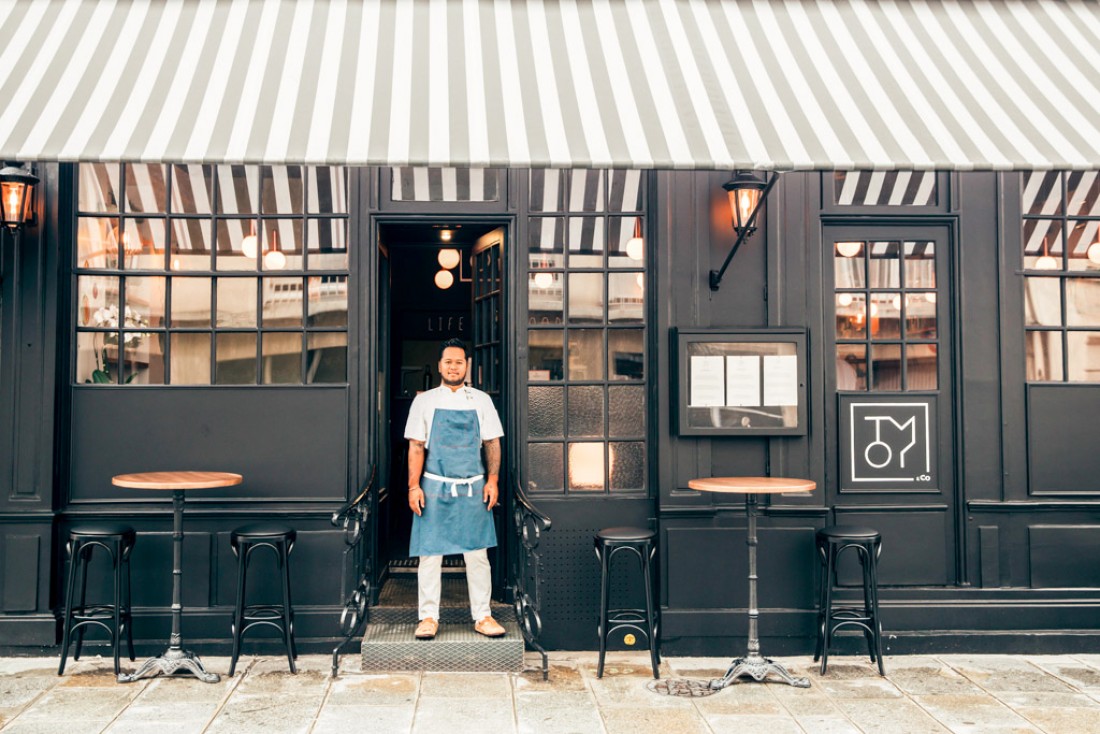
[743,233]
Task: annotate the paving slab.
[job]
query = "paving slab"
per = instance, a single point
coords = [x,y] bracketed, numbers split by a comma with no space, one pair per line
[492,686]
[1067,720]
[890,717]
[284,713]
[366,718]
[395,689]
[974,714]
[436,715]
[1007,673]
[634,719]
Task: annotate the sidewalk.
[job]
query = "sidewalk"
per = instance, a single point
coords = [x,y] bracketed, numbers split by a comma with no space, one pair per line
[990,693]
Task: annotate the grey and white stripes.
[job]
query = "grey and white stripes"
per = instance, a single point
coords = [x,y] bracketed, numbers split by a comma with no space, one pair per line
[702,84]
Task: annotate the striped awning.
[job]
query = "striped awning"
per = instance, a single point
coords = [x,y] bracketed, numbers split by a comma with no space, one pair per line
[702,84]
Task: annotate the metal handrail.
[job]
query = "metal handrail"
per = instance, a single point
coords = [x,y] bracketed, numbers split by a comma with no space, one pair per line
[529,523]
[354,518]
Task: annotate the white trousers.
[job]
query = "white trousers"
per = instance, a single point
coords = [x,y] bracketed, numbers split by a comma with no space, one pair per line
[479,582]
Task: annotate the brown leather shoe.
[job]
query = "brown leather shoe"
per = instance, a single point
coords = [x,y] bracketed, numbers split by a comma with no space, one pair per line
[489,627]
[426,629]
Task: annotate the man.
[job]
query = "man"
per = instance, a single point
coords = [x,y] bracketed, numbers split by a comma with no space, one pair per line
[451,492]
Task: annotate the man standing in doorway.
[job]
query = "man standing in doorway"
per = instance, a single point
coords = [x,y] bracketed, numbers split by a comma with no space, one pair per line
[451,492]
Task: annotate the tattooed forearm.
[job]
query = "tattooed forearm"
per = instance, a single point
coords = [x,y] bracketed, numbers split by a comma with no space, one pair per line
[416,462]
[492,457]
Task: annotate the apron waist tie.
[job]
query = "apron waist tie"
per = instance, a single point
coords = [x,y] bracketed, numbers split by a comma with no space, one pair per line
[468,481]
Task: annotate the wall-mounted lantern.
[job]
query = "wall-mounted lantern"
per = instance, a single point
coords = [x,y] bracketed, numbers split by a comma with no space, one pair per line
[747,191]
[17,197]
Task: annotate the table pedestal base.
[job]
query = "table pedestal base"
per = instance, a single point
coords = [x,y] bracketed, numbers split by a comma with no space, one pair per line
[757,668]
[175,662]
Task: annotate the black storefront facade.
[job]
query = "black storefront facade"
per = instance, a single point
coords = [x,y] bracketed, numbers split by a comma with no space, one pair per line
[934,335]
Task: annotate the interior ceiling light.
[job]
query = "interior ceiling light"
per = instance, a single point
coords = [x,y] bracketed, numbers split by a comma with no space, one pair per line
[1047,261]
[543,280]
[274,259]
[444,279]
[445,235]
[1094,252]
[848,249]
[844,299]
[248,244]
[448,257]
[635,246]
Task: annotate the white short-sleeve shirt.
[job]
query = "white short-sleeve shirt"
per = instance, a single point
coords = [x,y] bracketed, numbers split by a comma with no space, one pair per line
[419,425]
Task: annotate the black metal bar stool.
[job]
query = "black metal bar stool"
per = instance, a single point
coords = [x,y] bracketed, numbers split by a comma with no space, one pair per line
[867,545]
[640,542]
[118,541]
[279,539]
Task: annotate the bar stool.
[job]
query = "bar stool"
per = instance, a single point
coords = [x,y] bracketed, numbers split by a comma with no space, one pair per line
[279,539]
[867,545]
[640,542]
[117,540]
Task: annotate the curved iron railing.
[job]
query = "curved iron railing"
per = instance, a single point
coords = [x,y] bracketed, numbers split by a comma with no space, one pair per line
[355,519]
[529,524]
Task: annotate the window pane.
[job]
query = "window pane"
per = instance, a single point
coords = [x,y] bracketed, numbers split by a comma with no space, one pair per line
[328,300]
[545,412]
[625,297]
[1083,356]
[586,301]
[849,263]
[544,355]
[886,367]
[586,190]
[190,358]
[281,361]
[327,360]
[97,301]
[190,305]
[238,245]
[1044,356]
[625,191]
[920,315]
[192,189]
[545,467]
[885,188]
[851,315]
[1083,192]
[547,190]
[98,188]
[282,303]
[328,190]
[586,354]
[1042,192]
[851,366]
[586,242]
[626,411]
[547,242]
[920,264]
[586,467]
[628,465]
[236,355]
[145,299]
[586,411]
[92,363]
[282,244]
[146,187]
[626,236]
[885,315]
[143,244]
[96,243]
[1083,302]
[144,358]
[921,370]
[884,266]
[626,354]
[1084,245]
[237,302]
[445,184]
[238,187]
[281,189]
[328,244]
[1042,244]
[190,244]
[544,297]
[1042,302]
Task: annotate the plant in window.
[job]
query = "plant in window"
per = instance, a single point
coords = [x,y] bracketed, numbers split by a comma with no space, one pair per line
[107,317]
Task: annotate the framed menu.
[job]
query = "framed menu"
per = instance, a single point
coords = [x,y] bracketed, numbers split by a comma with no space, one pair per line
[744,382]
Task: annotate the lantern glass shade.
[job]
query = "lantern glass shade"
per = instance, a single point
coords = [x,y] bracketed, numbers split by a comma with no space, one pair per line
[744,192]
[444,279]
[16,196]
[448,258]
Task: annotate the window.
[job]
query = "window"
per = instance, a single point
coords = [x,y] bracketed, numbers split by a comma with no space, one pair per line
[198,275]
[887,332]
[586,332]
[1061,259]
[421,183]
[885,188]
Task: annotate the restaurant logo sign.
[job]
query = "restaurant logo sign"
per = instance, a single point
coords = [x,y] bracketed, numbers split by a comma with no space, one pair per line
[888,444]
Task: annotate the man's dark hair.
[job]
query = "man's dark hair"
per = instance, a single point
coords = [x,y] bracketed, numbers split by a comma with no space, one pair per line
[453,343]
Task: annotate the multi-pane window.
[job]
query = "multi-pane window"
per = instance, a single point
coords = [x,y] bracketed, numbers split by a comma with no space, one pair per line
[198,275]
[887,335]
[586,332]
[1061,258]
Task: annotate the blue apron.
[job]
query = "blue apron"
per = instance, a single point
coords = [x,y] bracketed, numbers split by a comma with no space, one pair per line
[454,518]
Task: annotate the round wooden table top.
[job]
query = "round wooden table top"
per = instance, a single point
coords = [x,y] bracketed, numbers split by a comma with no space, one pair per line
[752,485]
[177,480]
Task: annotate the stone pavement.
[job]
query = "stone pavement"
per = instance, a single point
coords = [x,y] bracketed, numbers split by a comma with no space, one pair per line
[946,693]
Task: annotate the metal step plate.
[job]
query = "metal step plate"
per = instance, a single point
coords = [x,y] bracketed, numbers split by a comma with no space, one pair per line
[391,647]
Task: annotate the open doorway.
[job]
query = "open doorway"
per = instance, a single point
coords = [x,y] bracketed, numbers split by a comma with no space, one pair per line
[445,281]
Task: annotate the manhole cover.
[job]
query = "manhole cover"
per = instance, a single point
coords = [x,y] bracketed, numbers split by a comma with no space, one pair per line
[685,687]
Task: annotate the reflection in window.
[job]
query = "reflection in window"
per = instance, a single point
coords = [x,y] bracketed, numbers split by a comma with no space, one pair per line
[421,183]
[885,188]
